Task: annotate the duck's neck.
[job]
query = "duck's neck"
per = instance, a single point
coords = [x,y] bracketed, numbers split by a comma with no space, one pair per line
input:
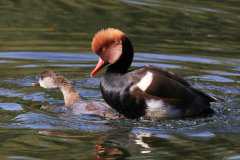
[124,62]
[116,69]
[70,94]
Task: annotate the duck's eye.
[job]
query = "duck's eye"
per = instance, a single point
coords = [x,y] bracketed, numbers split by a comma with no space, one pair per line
[117,42]
[103,50]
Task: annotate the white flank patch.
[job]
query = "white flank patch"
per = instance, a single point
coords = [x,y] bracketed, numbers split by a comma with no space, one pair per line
[154,104]
[162,108]
[145,82]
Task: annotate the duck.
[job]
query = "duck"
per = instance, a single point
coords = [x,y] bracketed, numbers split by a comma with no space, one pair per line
[73,102]
[147,92]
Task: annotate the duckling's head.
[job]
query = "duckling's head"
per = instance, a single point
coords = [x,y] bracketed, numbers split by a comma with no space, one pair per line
[50,79]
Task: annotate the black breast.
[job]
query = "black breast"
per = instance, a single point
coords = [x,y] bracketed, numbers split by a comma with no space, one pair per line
[115,90]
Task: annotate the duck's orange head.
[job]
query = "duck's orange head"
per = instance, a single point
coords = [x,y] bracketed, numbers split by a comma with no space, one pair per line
[108,45]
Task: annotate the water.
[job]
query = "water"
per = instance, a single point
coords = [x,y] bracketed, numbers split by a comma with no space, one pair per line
[168,26]
[27,132]
[197,40]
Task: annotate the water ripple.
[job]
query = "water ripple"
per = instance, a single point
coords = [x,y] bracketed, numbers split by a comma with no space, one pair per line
[10,107]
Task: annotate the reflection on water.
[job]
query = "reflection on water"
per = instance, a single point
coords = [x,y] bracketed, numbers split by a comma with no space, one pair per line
[27,129]
[10,107]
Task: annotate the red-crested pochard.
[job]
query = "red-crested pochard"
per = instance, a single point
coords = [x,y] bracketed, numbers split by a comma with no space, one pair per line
[147,92]
[74,104]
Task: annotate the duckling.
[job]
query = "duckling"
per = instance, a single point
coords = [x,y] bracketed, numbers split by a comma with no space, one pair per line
[73,103]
